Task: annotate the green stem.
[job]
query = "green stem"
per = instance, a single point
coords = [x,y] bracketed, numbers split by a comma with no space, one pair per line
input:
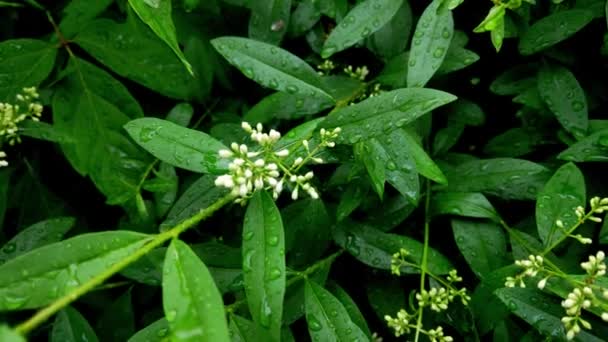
[44,314]
[298,276]
[425,252]
[567,234]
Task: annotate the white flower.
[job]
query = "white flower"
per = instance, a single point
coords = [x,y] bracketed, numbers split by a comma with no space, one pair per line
[282,153]
[541,284]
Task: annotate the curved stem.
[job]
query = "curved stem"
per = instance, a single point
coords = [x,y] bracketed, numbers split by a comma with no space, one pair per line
[96,281]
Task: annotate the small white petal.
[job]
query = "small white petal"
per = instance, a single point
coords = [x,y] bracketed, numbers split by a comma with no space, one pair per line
[246,126]
[259,163]
[294,194]
[282,153]
[225,153]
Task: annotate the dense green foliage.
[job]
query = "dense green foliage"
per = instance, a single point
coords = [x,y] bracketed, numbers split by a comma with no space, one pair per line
[433,182]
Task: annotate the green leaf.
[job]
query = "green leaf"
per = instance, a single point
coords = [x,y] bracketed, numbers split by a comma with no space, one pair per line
[91,107]
[303,18]
[350,199]
[431,41]
[467,204]
[307,231]
[9,335]
[557,201]
[117,322]
[78,13]
[157,15]
[552,29]
[374,157]
[487,308]
[327,318]
[565,98]
[400,167]
[272,67]
[364,19]
[503,177]
[133,51]
[264,263]
[295,306]
[542,312]
[515,80]
[375,249]
[36,235]
[592,148]
[25,63]
[514,142]
[155,332]
[284,106]
[351,307]
[198,196]
[71,326]
[192,303]
[241,329]
[424,164]
[384,113]
[385,296]
[39,277]
[483,245]
[269,20]
[456,58]
[392,38]
[179,146]
[43,131]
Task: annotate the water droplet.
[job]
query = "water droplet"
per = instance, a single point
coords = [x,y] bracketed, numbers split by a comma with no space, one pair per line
[577,105]
[9,248]
[272,240]
[162,332]
[313,323]
[445,33]
[366,32]
[148,133]
[273,84]
[438,52]
[275,273]
[291,89]
[391,166]
[247,236]
[265,313]
[170,315]
[248,260]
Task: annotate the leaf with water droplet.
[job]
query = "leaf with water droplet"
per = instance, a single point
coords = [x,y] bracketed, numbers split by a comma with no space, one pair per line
[242,330]
[190,292]
[557,200]
[392,38]
[159,19]
[179,146]
[290,73]
[376,248]
[351,307]
[592,148]
[77,259]
[483,245]
[71,326]
[364,19]
[265,282]
[269,20]
[467,204]
[428,55]
[544,313]
[327,318]
[154,332]
[552,29]
[555,83]
[35,236]
[399,107]
[424,164]
[495,177]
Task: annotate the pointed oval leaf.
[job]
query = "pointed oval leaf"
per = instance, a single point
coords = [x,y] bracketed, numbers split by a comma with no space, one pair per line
[483,245]
[565,97]
[71,326]
[375,248]
[179,146]
[424,164]
[155,332]
[557,201]
[37,278]
[363,20]
[157,15]
[24,63]
[552,29]
[351,307]
[503,177]
[36,235]
[384,113]
[400,167]
[264,263]
[430,43]
[593,148]
[272,67]
[467,204]
[192,303]
[242,329]
[392,38]
[327,318]
[285,106]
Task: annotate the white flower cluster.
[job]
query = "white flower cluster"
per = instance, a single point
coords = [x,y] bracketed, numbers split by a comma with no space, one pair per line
[399,324]
[437,300]
[326,67]
[595,267]
[532,266]
[360,73]
[11,115]
[576,301]
[398,260]
[266,168]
